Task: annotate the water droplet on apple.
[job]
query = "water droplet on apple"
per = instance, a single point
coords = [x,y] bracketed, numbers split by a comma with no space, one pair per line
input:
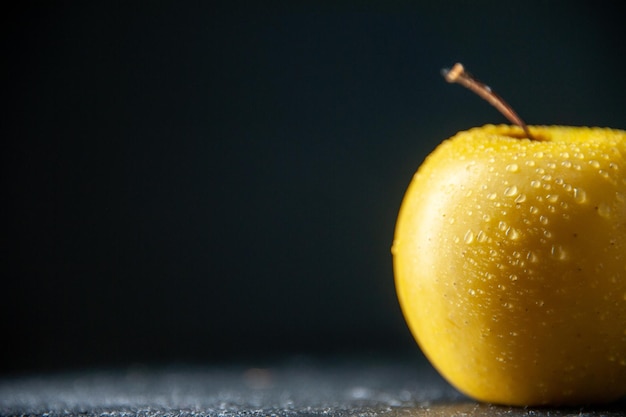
[553,198]
[604,210]
[520,198]
[469,237]
[580,196]
[535,184]
[530,163]
[513,277]
[481,237]
[534,210]
[543,220]
[540,303]
[594,164]
[510,191]
[512,233]
[558,252]
[566,164]
[512,168]
[532,257]
[492,196]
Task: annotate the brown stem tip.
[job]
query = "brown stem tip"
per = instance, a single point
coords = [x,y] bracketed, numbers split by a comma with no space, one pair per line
[458,75]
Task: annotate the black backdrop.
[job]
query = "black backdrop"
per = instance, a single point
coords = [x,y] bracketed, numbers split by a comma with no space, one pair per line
[190,182]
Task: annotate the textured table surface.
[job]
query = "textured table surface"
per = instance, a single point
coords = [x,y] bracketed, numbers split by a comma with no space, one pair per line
[297,387]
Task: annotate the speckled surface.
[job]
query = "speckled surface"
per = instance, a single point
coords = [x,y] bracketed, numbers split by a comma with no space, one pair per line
[292,388]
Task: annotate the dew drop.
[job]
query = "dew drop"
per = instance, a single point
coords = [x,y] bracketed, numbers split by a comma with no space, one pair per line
[502,226]
[543,220]
[512,233]
[535,184]
[558,252]
[520,198]
[469,237]
[580,196]
[513,277]
[566,164]
[530,163]
[532,257]
[512,168]
[510,191]
[594,164]
[491,196]
[481,237]
[604,210]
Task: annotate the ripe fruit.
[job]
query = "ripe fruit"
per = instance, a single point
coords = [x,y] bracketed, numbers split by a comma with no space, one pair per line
[510,263]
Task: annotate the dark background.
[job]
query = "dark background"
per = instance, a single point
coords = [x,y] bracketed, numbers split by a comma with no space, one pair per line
[192,182]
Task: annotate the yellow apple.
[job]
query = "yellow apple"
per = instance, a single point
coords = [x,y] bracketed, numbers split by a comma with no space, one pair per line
[510,263]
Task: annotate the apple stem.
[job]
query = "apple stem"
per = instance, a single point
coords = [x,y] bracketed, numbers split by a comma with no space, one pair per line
[458,75]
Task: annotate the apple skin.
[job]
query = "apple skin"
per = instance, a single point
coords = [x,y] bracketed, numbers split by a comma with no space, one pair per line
[510,264]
